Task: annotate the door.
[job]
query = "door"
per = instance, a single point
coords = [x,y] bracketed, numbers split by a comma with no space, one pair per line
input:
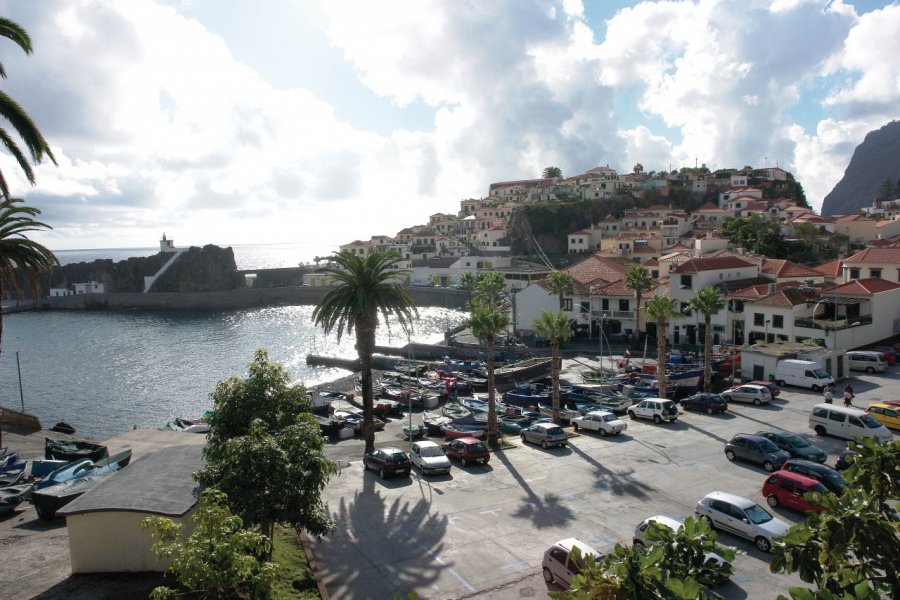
[759,372]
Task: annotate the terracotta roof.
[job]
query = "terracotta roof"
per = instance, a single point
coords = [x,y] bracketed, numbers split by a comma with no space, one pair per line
[610,219]
[786,268]
[884,223]
[831,268]
[812,218]
[847,218]
[698,265]
[875,255]
[710,207]
[862,287]
[597,267]
[785,298]
[760,206]
[644,250]
[678,246]
[885,242]
[650,262]
[615,288]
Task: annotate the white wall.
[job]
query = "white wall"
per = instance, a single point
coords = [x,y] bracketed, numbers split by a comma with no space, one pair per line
[530,303]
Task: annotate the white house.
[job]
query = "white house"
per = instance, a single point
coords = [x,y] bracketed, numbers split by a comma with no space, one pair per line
[92,287]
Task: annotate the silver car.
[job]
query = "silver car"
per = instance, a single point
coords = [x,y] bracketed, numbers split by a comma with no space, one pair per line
[741,517]
[429,458]
[601,421]
[750,392]
[658,409]
[545,434]
[640,540]
[560,565]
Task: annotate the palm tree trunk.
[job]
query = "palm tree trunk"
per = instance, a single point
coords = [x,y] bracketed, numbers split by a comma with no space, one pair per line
[661,356]
[493,430]
[707,353]
[554,380]
[365,347]
[636,338]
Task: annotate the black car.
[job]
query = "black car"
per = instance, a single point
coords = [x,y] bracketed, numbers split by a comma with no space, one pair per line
[388,461]
[706,402]
[756,449]
[795,445]
[824,474]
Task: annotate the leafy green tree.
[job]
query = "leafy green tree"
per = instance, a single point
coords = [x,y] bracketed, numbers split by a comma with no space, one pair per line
[757,233]
[490,288]
[561,284]
[552,173]
[219,559]
[662,310]
[556,327]
[638,168]
[467,282]
[20,256]
[366,288]
[709,301]
[488,321]
[850,549]
[686,553]
[638,279]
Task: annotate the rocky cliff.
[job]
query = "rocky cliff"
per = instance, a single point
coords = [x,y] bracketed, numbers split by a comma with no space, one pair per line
[875,160]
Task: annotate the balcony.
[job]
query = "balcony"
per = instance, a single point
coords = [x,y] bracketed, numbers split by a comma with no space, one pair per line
[831,325]
[612,314]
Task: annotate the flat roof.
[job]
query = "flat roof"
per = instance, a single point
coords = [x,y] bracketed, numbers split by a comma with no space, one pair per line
[779,349]
[160,483]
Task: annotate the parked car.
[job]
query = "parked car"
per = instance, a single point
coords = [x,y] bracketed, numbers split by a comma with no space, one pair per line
[429,457]
[467,450]
[890,353]
[868,361]
[788,488]
[723,567]
[601,421]
[709,403]
[388,461]
[795,445]
[741,517]
[772,387]
[658,409]
[843,460]
[545,434]
[824,474]
[561,564]
[748,392]
[886,414]
[756,449]
[802,373]
[847,422]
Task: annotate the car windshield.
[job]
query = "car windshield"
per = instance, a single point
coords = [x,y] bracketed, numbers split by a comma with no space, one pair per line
[397,456]
[767,446]
[821,373]
[757,514]
[870,421]
[478,447]
[609,418]
[431,451]
[795,441]
[835,478]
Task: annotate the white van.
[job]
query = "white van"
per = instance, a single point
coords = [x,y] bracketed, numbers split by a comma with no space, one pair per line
[864,360]
[802,373]
[846,422]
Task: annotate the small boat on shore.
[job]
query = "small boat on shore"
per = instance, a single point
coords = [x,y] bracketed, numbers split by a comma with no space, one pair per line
[188,425]
[63,427]
[14,495]
[49,500]
[413,432]
[63,450]
[450,430]
[434,421]
[86,467]
[12,478]
[11,463]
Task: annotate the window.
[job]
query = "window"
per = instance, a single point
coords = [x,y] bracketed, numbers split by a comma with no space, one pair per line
[778,321]
[623,305]
[567,304]
[759,319]
[875,273]
[686,281]
[836,416]
[854,273]
[604,304]
[586,307]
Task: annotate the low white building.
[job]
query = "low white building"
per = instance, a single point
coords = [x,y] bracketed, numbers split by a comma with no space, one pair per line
[92,287]
[758,361]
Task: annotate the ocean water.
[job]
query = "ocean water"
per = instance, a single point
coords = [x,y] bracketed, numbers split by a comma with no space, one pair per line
[106,371]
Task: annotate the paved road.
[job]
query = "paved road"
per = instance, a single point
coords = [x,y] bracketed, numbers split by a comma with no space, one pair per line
[481,531]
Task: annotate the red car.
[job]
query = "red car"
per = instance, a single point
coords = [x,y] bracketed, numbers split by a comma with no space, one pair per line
[787,488]
[468,450]
[774,389]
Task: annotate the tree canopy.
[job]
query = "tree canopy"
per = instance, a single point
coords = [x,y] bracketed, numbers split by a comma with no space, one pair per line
[552,173]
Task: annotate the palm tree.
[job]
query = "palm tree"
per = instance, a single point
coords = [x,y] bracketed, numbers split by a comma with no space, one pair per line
[637,279]
[366,287]
[467,282]
[19,256]
[490,288]
[708,301]
[661,310]
[556,327]
[560,283]
[552,173]
[18,118]
[488,321]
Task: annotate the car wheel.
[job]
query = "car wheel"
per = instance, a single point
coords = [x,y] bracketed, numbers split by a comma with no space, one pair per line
[763,544]
[638,545]
[870,370]
[769,466]
[820,430]
[780,383]
[729,455]
[631,415]
[602,433]
[772,500]
[381,472]
[710,411]
[657,419]
[817,388]
[756,402]
[708,521]
[406,474]
[548,576]
[726,398]
[464,462]
[574,426]
[523,439]
[544,444]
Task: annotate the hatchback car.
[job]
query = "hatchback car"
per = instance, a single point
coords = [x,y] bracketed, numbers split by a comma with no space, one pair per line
[788,489]
[601,421]
[561,563]
[794,445]
[545,434]
[388,461]
[824,474]
[467,450]
[886,414]
[706,402]
[748,392]
[429,458]
[756,449]
[640,540]
[741,517]
[772,387]
[658,409]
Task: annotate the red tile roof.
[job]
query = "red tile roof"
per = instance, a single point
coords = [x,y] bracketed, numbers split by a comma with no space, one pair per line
[678,246]
[597,267]
[698,265]
[710,207]
[785,298]
[651,262]
[862,287]
[875,256]
[616,288]
[785,268]
[831,268]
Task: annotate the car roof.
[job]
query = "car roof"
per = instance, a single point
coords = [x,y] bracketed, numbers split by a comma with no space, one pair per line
[599,413]
[751,436]
[752,385]
[546,424]
[856,412]
[799,478]
[569,543]
[390,449]
[813,466]
[778,431]
[738,501]
[468,440]
[424,444]
[882,405]
[669,522]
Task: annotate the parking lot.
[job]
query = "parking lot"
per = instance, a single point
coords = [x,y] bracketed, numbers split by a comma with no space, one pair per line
[481,531]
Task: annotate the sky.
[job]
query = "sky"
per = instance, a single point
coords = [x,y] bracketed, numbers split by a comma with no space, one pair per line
[324,122]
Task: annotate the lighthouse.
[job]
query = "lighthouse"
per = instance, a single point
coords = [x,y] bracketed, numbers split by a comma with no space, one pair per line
[166,245]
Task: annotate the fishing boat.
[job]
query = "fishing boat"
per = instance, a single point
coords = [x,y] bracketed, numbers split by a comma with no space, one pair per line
[565,414]
[451,430]
[413,432]
[455,410]
[188,425]
[63,427]
[83,468]
[474,404]
[50,499]
[11,462]
[63,450]
[433,422]
[14,495]
[42,466]
[12,478]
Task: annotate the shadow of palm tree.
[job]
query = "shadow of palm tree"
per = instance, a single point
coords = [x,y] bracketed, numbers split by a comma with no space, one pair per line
[619,483]
[382,549]
[546,512]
